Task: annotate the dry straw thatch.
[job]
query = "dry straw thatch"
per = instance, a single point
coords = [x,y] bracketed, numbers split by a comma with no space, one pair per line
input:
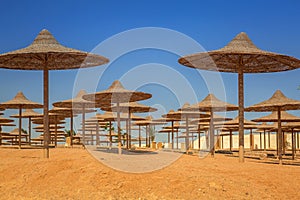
[116,93]
[240,52]
[45,48]
[273,117]
[277,100]
[240,56]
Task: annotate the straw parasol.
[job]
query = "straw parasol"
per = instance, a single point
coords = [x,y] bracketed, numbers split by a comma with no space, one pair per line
[292,126]
[45,53]
[261,128]
[169,119]
[147,122]
[28,113]
[58,113]
[212,104]
[240,56]
[233,125]
[130,107]
[20,102]
[78,103]
[5,120]
[116,93]
[278,102]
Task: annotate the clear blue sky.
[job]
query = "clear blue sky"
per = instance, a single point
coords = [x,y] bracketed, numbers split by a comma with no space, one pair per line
[272,25]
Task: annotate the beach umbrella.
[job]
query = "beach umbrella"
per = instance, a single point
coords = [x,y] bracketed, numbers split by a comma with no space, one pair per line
[130,107]
[97,122]
[292,126]
[166,130]
[20,102]
[169,119]
[4,122]
[261,128]
[184,114]
[116,93]
[45,54]
[28,113]
[17,136]
[278,102]
[212,104]
[78,103]
[273,117]
[206,122]
[235,124]
[240,56]
[53,120]
[70,112]
[147,122]
[62,113]
[110,117]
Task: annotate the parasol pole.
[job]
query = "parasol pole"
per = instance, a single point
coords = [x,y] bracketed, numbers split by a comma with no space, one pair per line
[265,139]
[83,124]
[172,122]
[119,128]
[293,147]
[212,134]
[46,109]
[97,133]
[55,130]
[187,141]
[279,136]
[230,140]
[140,142]
[71,130]
[20,125]
[241,111]
[29,129]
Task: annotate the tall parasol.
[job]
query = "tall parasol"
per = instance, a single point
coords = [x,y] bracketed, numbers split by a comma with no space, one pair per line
[212,104]
[278,102]
[20,102]
[130,107]
[240,56]
[78,103]
[28,113]
[169,119]
[185,115]
[45,54]
[116,93]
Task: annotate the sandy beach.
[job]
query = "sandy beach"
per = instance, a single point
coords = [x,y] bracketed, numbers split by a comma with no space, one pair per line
[75,174]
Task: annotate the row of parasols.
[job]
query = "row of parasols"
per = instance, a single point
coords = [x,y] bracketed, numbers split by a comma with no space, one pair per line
[239,56]
[201,115]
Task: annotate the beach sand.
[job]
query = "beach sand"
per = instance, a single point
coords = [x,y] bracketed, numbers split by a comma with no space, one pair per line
[75,174]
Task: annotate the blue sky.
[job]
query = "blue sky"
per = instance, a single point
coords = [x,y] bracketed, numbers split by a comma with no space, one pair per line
[272,26]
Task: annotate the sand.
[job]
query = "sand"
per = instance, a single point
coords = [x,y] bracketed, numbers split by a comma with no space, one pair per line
[75,174]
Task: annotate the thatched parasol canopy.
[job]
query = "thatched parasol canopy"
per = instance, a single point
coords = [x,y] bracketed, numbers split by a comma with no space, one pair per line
[45,53]
[46,49]
[240,56]
[273,117]
[20,102]
[5,120]
[278,99]
[212,103]
[28,113]
[278,102]
[81,104]
[116,93]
